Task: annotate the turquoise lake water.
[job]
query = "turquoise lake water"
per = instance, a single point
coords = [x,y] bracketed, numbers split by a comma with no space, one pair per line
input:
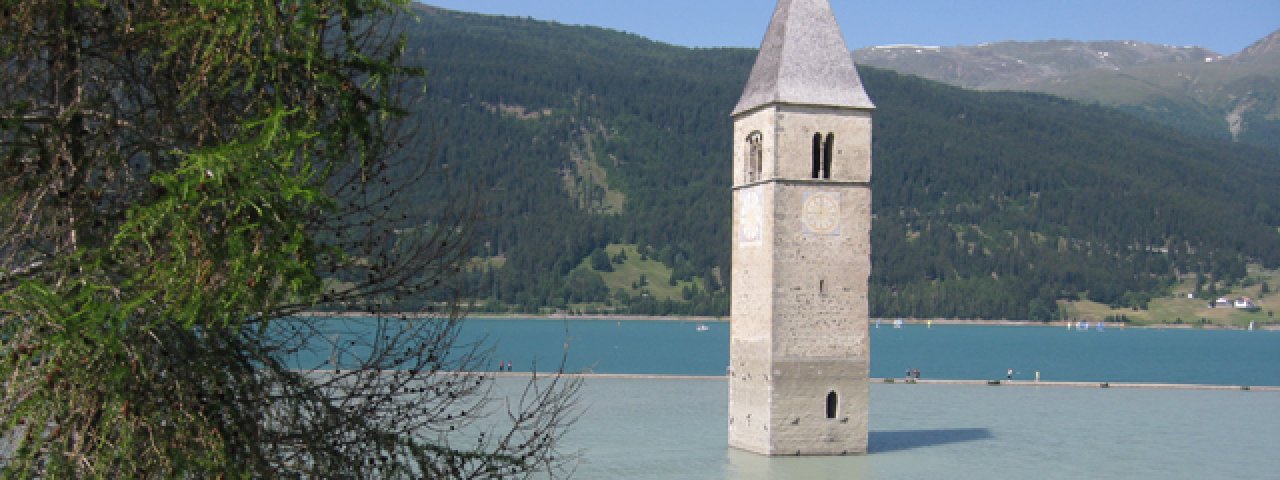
[676,428]
[1221,357]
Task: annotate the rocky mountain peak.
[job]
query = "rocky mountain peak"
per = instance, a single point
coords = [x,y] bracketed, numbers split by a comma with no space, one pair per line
[1268,46]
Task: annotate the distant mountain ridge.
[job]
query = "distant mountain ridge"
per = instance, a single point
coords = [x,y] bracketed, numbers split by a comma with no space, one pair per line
[1011,65]
[1194,89]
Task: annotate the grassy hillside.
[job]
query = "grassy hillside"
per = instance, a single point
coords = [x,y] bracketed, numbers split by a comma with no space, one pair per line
[636,274]
[1182,309]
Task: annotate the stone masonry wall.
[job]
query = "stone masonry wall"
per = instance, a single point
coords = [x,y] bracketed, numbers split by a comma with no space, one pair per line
[750,333]
[801,261]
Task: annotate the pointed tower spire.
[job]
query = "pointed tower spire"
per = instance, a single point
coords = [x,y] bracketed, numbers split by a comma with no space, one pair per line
[803,60]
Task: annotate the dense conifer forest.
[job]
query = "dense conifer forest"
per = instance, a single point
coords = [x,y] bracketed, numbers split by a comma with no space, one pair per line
[988,205]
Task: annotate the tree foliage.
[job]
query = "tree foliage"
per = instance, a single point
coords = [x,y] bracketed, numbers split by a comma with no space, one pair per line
[179,180]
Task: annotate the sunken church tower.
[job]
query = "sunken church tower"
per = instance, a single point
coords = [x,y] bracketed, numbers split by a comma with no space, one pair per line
[800,350]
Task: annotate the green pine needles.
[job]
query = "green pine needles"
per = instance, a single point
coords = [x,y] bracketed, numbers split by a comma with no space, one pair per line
[179,183]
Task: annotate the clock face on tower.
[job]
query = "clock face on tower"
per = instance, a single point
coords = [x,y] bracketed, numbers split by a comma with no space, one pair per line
[821,214]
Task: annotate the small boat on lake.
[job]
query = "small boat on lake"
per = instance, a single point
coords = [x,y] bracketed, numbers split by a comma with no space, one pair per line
[702,327]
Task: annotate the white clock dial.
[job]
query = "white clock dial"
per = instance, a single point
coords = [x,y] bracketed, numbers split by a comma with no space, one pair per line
[821,213]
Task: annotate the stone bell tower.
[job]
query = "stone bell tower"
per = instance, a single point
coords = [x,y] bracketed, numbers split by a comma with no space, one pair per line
[800,350]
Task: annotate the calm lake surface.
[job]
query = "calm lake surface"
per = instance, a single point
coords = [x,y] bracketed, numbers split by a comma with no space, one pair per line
[676,428]
[673,429]
[1220,357]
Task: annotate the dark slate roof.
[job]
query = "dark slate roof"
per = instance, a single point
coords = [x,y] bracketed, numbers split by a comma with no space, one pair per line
[803,60]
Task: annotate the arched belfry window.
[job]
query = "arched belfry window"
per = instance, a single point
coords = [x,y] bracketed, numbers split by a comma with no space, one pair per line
[755,156]
[817,155]
[822,152]
[833,404]
[826,155]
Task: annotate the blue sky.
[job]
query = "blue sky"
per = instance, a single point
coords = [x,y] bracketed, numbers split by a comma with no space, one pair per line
[1224,26]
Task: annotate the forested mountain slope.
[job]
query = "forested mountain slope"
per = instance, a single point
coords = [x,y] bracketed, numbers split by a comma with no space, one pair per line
[988,205]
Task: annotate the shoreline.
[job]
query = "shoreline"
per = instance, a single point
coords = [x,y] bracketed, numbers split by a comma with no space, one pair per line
[901,382]
[873,380]
[885,322]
